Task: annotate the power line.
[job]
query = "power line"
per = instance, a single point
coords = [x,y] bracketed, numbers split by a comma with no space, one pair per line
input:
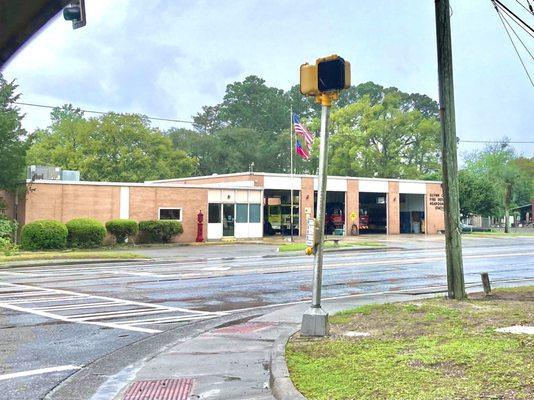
[513,18]
[496,141]
[512,13]
[518,38]
[522,5]
[511,40]
[20,103]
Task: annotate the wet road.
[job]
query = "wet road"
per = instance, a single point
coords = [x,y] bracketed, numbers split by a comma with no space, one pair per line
[55,320]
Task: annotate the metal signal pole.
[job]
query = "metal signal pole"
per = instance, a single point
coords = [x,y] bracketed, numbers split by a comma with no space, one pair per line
[453,240]
[315,320]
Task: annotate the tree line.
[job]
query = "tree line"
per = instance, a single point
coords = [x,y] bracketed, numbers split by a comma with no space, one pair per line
[376,131]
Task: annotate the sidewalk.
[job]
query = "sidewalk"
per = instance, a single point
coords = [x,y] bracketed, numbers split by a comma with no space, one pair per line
[233,362]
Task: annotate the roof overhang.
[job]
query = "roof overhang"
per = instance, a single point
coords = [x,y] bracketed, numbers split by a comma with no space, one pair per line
[20,20]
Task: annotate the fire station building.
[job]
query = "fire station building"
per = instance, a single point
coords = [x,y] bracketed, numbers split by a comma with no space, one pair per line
[243,205]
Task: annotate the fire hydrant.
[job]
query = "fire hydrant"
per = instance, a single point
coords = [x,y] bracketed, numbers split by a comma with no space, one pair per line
[200,224]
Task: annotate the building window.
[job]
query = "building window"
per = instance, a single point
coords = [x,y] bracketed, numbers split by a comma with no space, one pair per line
[241,213]
[214,213]
[254,213]
[170,213]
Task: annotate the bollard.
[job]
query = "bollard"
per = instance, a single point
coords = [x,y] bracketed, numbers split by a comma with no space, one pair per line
[486,283]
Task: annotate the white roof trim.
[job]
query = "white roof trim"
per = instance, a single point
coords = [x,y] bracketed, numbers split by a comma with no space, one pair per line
[277,174]
[133,184]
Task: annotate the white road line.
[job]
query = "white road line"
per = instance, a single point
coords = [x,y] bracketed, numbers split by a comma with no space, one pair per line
[119,313]
[135,314]
[39,371]
[169,320]
[46,300]
[67,319]
[82,305]
[138,303]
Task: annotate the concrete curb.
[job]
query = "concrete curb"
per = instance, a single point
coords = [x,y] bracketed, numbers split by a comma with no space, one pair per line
[281,386]
[46,263]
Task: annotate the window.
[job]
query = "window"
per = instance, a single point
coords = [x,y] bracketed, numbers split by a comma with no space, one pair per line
[254,213]
[242,213]
[214,213]
[170,213]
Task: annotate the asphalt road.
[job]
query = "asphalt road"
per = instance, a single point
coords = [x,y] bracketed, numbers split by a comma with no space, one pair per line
[56,320]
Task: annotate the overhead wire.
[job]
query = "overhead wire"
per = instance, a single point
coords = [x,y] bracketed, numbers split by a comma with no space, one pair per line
[511,40]
[523,25]
[101,112]
[531,11]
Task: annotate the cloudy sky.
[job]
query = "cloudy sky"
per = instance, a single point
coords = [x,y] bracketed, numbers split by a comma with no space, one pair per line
[168,58]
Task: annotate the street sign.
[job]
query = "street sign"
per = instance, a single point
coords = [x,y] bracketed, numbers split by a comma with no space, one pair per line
[353,216]
[311,232]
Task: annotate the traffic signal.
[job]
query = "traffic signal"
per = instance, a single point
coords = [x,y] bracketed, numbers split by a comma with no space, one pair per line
[75,12]
[329,74]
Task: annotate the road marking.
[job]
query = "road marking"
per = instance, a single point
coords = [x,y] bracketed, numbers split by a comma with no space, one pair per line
[39,371]
[88,302]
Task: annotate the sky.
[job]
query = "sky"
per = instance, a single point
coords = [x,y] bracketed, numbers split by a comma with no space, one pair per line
[168,58]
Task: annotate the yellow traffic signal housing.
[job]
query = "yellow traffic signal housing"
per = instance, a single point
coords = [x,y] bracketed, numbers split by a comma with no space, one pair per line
[308,80]
[329,75]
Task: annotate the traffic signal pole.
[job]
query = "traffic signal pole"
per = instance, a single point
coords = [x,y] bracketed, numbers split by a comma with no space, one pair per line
[453,240]
[315,320]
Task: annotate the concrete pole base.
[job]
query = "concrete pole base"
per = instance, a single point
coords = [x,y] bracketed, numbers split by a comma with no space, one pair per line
[314,322]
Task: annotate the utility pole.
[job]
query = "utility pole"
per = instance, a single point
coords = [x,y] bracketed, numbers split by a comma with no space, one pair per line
[453,240]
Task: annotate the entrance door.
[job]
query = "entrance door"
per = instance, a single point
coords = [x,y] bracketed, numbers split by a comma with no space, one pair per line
[228,219]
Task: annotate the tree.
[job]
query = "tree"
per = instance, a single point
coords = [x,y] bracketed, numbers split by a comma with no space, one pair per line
[252,104]
[112,147]
[208,120]
[12,144]
[383,139]
[499,164]
[478,194]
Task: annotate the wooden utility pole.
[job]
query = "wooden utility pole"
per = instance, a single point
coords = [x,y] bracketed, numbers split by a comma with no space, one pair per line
[453,240]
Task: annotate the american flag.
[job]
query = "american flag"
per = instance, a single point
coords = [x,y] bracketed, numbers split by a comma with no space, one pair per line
[302,131]
[301,151]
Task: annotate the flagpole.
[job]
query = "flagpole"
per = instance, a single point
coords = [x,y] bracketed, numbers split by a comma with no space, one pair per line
[291,168]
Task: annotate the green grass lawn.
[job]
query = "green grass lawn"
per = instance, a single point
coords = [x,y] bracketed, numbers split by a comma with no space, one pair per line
[302,246]
[68,255]
[433,349]
[501,234]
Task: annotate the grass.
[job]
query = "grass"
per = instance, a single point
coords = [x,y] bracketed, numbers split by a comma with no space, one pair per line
[69,255]
[434,349]
[502,234]
[302,246]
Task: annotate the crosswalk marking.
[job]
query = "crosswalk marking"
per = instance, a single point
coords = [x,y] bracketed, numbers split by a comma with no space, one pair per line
[69,306]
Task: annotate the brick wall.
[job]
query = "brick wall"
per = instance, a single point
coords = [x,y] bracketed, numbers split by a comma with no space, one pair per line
[393,208]
[66,202]
[435,216]
[352,205]
[146,201]
[306,201]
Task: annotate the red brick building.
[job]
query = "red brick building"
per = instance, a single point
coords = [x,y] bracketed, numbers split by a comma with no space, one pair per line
[242,205]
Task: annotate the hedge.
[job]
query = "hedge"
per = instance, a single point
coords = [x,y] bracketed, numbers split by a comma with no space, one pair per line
[85,233]
[122,228]
[161,231]
[43,235]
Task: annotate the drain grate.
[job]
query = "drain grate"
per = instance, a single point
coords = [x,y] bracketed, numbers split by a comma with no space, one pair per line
[163,389]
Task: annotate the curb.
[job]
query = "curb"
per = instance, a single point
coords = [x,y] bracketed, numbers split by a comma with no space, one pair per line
[281,386]
[97,372]
[73,262]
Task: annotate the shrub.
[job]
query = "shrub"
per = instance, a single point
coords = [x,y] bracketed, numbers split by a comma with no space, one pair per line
[8,247]
[7,227]
[85,232]
[122,228]
[44,234]
[161,231]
